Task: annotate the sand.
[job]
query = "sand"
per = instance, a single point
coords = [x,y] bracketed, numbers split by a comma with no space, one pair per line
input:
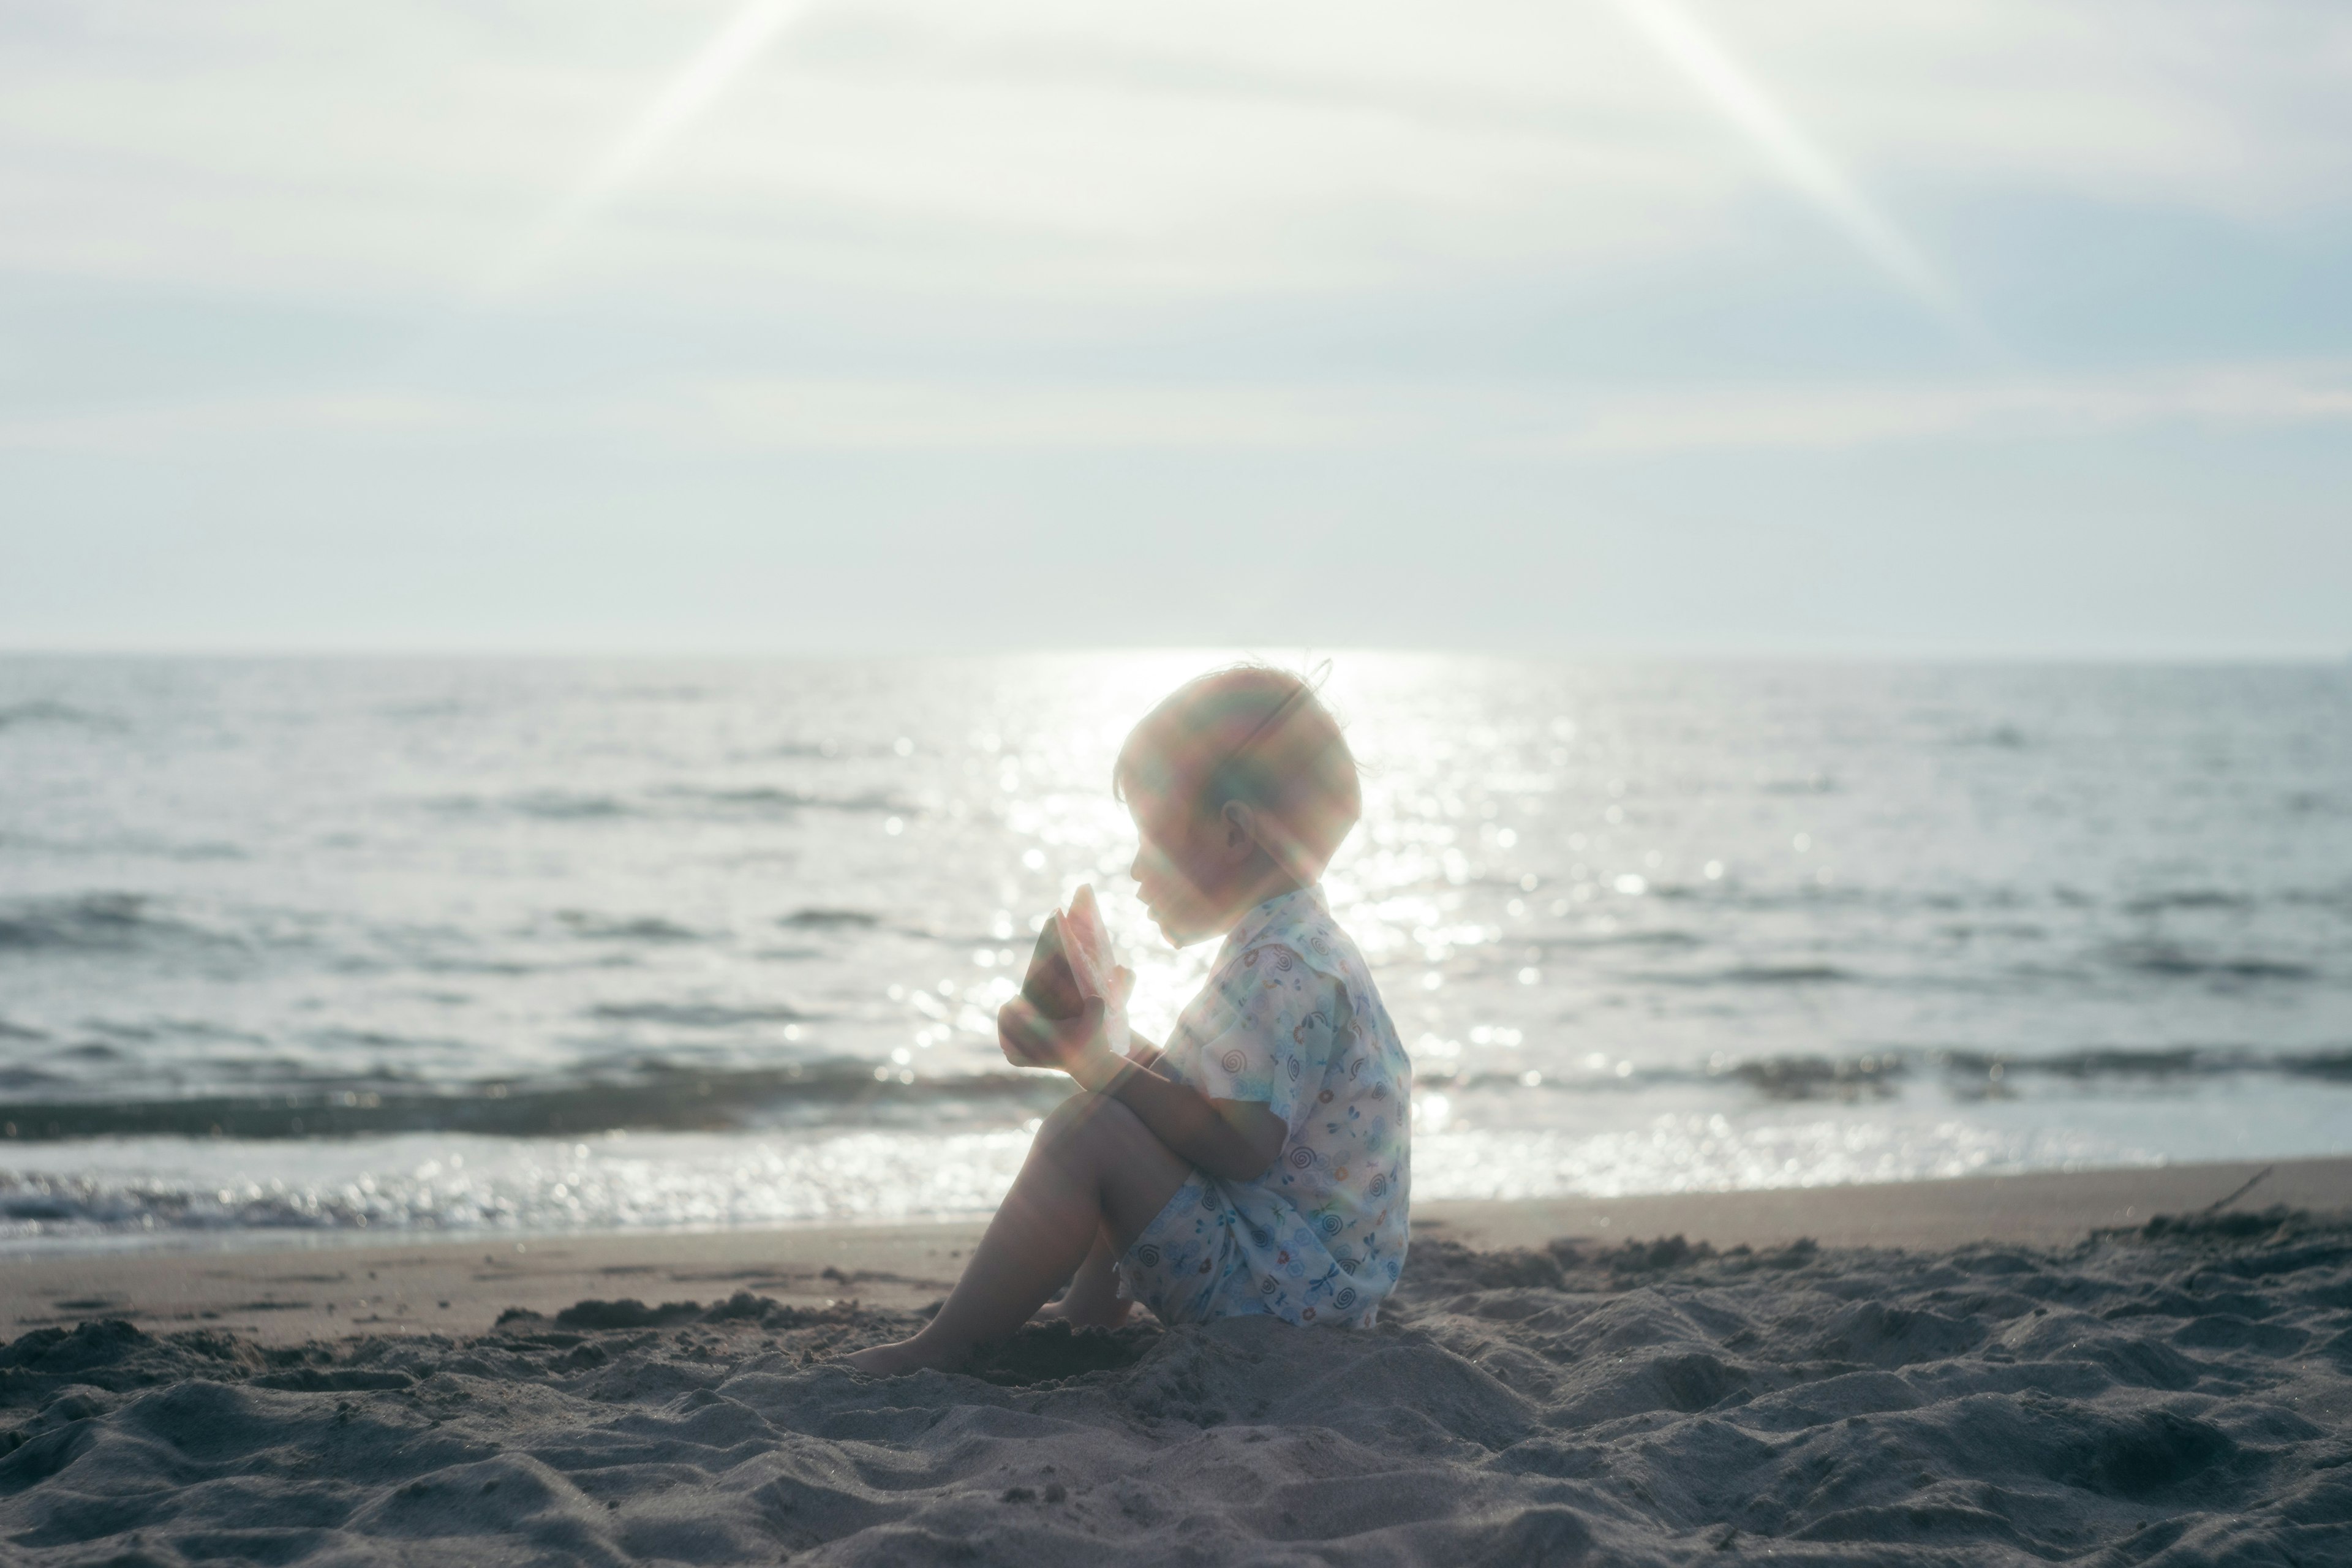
[300,1286]
[2173,1392]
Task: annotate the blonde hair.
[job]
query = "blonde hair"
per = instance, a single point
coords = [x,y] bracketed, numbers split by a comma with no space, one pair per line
[1256,735]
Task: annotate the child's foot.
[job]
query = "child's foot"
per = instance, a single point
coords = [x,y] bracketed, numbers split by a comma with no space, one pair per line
[897,1360]
[1061,1311]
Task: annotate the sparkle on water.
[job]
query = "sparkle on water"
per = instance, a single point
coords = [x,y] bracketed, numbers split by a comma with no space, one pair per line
[1644,927]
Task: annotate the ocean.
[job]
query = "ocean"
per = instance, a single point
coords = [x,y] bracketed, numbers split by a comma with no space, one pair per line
[314,947]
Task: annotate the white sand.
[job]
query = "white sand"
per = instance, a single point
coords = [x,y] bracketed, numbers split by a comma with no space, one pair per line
[2173,1398]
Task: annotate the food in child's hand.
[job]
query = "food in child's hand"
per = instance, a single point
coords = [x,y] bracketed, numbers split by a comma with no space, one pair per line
[1086,945]
[1051,985]
[1072,961]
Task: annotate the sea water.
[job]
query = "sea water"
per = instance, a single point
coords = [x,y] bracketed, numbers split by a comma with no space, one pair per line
[326,945]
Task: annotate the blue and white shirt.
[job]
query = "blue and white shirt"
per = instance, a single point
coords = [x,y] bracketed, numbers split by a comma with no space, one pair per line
[1290,1017]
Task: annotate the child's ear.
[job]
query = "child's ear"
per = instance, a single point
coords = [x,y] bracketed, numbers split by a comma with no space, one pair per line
[1240,824]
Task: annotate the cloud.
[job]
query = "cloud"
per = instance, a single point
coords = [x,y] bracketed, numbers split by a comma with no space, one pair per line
[1825,418]
[1504,419]
[1314,271]
[1041,147]
[752,414]
[154,427]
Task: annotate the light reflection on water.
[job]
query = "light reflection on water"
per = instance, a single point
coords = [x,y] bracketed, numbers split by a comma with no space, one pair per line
[2000,915]
[134,1189]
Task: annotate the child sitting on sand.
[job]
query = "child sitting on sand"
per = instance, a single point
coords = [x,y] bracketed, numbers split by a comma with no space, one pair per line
[1260,1164]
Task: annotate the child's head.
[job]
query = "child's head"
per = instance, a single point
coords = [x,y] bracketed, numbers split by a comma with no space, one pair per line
[1241,787]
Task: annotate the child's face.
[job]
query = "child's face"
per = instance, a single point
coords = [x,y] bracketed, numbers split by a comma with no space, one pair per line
[1192,871]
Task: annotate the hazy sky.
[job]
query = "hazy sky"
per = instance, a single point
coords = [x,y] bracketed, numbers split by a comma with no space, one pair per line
[2008,327]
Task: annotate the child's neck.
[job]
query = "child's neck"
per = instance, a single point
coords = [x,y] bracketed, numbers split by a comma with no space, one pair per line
[1274,882]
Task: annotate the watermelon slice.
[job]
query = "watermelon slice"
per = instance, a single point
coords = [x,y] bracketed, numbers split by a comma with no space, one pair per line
[1073,961]
[1050,985]
[1086,945]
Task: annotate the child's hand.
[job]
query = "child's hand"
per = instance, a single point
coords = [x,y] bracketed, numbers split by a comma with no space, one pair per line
[1077,1046]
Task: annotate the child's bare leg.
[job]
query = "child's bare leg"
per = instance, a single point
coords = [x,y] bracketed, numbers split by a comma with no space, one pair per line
[1094,1169]
[1093,1299]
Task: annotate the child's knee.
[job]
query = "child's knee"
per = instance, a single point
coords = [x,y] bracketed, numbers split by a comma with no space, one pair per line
[1088,1125]
[1064,1119]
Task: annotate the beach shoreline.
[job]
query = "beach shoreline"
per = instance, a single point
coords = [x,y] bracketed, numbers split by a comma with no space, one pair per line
[287,1288]
[2168,1391]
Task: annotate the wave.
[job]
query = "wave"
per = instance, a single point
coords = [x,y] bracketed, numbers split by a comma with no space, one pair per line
[1879,1074]
[546,805]
[2332,1064]
[130,845]
[1655,936]
[2188,899]
[1776,1077]
[1761,975]
[19,715]
[1784,975]
[829,919]
[2179,962]
[564,806]
[1898,902]
[579,805]
[625,928]
[80,1203]
[89,922]
[770,798]
[655,1097]
[526,1186]
[2102,1062]
[695,1014]
[1816,1077]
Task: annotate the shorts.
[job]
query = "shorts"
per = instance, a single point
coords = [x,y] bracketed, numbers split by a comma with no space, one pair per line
[1189,1266]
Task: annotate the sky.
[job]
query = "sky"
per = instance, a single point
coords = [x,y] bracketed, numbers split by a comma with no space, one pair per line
[1844,328]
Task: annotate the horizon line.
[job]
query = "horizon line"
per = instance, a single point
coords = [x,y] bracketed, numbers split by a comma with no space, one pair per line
[557,653]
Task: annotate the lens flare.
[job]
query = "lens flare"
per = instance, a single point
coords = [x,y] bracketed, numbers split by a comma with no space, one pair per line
[1793,154]
[683,98]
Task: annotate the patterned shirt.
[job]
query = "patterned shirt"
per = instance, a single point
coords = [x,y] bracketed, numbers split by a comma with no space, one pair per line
[1290,1017]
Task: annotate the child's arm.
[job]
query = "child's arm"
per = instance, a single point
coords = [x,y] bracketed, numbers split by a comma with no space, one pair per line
[1235,1140]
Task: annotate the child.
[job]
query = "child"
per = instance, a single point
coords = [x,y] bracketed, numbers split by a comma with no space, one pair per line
[1260,1162]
